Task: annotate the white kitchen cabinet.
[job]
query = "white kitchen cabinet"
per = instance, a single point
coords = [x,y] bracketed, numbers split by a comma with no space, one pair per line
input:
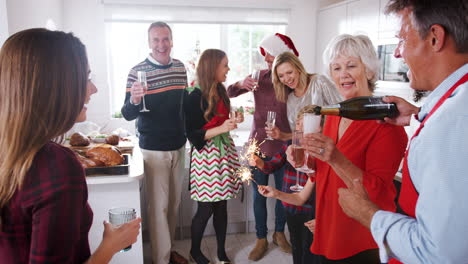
[363,18]
[331,22]
[107,191]
[388,25]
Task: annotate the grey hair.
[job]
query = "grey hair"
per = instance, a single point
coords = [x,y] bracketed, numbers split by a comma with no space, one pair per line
[160,24]
[451,15]
[359,46]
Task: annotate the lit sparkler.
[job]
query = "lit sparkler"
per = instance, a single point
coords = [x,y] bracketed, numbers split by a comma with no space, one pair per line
[244,174]
[252,147]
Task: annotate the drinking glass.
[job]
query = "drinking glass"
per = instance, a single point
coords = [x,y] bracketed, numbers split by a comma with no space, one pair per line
[256,76]
[298,153]
[142,80]
[311,123]
[270,122]
[119,216]
[235,115]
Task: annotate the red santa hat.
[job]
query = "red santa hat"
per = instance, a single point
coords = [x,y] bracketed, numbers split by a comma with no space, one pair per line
[277,44]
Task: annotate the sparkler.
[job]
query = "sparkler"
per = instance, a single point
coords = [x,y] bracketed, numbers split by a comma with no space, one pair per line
[244,174]
[251,148]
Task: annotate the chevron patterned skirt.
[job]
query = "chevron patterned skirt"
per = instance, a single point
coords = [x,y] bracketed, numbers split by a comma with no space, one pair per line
[212,176]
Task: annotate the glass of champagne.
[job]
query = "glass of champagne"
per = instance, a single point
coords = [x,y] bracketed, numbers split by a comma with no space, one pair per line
[142,80]
[256,76]
[270,122]
[311,124]
[234,115]
[299,158]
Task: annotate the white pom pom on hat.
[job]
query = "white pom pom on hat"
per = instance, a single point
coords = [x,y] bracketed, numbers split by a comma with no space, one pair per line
[277,44]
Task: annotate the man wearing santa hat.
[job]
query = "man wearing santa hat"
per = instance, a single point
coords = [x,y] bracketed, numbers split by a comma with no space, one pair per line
[265,100]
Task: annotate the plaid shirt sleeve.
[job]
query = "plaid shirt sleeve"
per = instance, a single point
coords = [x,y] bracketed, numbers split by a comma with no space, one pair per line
[61,216]
[276,162]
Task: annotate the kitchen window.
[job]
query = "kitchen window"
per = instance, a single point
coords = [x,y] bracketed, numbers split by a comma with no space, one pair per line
[127,45]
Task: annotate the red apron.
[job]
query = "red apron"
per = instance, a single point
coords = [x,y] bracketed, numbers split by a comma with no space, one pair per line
[408,193]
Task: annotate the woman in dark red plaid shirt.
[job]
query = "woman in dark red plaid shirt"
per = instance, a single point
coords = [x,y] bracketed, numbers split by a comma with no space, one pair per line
[44,213]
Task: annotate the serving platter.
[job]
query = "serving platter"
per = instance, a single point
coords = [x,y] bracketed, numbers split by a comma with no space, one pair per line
[111,170]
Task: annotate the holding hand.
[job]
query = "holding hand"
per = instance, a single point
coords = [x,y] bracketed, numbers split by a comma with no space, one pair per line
[321,147]
[274,132]
[310,225]
[406,111]
[256,161]
[290,156]
[137,91]
[248,83]
[228,125]
[267,191]
[118,238]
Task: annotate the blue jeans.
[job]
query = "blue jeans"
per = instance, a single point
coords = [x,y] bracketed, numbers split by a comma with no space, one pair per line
[259,202]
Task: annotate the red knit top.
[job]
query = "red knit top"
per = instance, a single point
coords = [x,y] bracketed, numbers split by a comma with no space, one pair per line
[377,149]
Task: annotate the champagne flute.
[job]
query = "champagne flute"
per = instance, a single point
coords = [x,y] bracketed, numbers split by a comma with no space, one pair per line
[142,80]
[299,158]
[234,116]
[270,122]
[256,76]
[311,124]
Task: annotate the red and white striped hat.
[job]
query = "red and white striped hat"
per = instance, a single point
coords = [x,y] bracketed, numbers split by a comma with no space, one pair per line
[277,44]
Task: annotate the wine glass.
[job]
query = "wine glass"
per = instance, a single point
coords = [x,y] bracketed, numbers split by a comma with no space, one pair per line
[270,122]
[256,76]
[299,155]
[142,80]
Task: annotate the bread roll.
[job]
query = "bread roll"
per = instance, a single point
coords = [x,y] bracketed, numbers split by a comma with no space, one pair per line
[113,140]
[79,139]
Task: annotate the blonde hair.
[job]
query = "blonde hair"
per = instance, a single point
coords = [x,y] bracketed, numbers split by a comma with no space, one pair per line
[212,91]
[305,109]
[43,78]
[358,46]
[282,91]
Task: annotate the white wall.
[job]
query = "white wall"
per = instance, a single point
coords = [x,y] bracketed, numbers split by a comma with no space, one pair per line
[86,19]
[302,29]
[23,14]
[3,22]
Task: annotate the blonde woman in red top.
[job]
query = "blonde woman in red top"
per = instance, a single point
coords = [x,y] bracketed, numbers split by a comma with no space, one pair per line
[347,150]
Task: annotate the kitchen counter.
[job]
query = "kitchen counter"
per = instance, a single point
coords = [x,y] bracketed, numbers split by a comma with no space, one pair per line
[107,191]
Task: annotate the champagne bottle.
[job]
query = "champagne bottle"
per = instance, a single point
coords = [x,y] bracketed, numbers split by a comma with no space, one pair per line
[360,108]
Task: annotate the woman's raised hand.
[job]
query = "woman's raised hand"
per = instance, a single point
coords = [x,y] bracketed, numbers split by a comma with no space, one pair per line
[320,146]
[228,125]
